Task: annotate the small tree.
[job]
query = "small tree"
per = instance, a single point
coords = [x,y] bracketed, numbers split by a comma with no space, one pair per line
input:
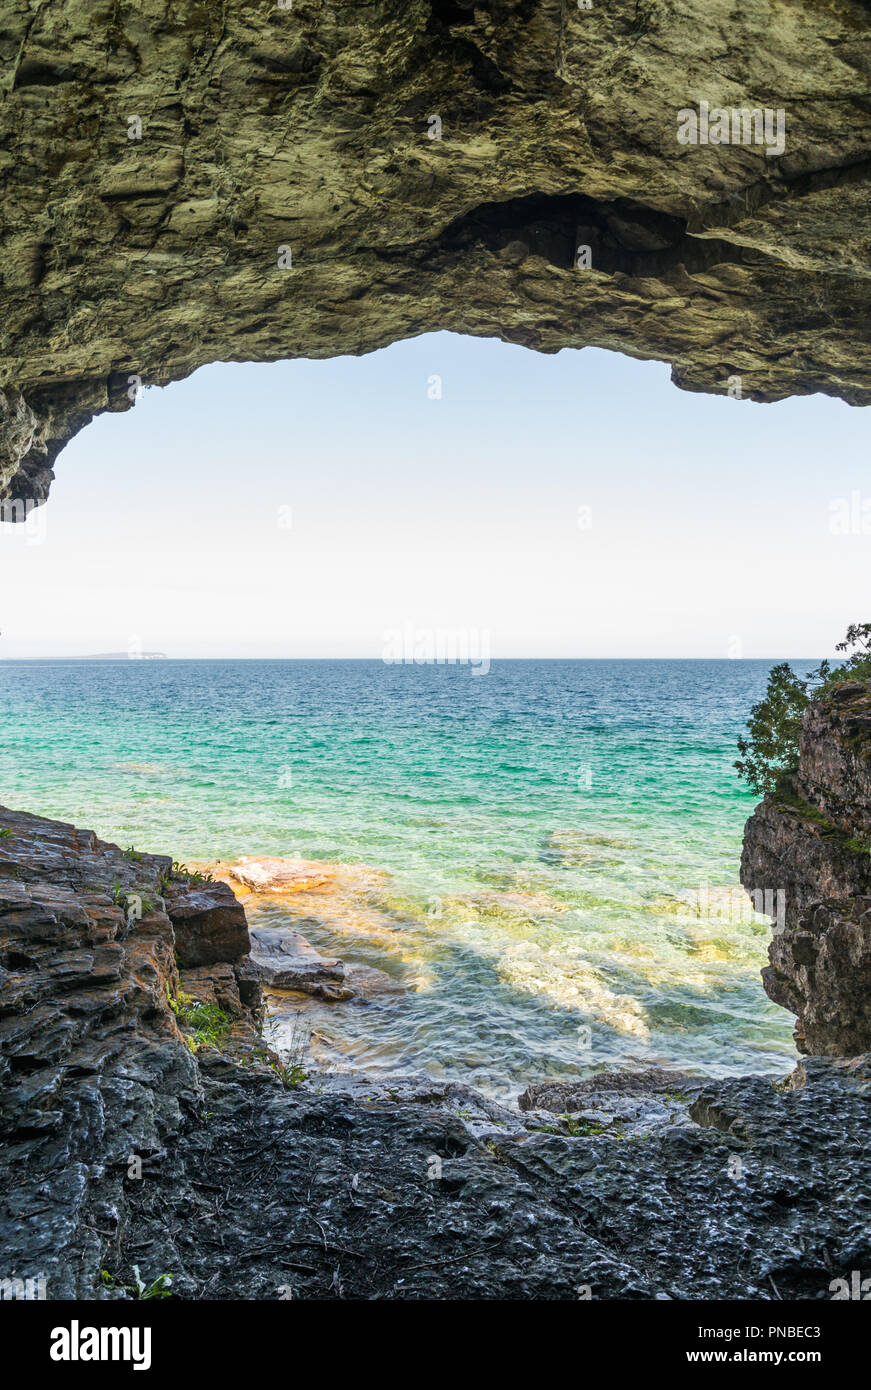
[773,729]
[858,664]
[771,747]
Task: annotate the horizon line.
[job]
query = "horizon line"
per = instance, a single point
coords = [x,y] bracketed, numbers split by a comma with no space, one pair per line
[155,660]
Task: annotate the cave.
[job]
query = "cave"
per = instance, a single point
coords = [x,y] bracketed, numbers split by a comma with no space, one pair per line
[256,127]
[189,183]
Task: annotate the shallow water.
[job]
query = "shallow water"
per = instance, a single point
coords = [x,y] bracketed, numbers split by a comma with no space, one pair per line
[533,846]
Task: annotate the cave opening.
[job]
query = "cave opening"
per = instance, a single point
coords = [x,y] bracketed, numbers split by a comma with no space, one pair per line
[423,600]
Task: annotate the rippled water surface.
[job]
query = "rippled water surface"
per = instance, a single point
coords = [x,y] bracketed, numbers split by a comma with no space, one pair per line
[525,850]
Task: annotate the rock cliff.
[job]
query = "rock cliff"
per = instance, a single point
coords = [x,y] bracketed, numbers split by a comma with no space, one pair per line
[146,1128]
[94,1070]
[196,181]
[810,843]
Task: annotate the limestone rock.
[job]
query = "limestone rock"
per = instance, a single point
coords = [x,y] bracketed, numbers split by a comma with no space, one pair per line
[266,875]
[575,1095]
[636,1102]
[808,845]
[190,183]
[821,971]
[93,1068]
[763,1196]
[210,925]
[283,959]
[219,985]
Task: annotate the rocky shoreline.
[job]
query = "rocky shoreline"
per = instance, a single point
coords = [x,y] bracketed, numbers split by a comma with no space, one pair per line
[148,1126]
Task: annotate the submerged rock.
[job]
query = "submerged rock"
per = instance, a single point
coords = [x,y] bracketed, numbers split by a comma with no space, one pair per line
[283,959]
[266,875]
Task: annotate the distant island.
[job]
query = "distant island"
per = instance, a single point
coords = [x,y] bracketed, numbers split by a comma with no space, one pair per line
[125,656]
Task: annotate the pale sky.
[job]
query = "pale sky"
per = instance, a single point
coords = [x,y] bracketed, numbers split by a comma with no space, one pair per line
[712,526]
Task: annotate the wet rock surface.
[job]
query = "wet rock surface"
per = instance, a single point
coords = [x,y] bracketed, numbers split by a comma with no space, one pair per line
[283,959]
[628,1104]
[94,1069]
[808,846]
[210,925]
[423,1194]
[122,1146]
[270,875]
[188,183]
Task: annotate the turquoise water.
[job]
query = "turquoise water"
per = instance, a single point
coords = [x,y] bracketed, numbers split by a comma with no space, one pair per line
[530,845]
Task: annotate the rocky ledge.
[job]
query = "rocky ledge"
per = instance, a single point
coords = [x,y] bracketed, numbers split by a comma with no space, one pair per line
[147,1127]
[195,182]
[807,854]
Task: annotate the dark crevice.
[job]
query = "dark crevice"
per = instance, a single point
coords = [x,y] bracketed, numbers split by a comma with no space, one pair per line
[625,237]
[484,70]
[33,73]
[448,15]
[16,960]
[747,201]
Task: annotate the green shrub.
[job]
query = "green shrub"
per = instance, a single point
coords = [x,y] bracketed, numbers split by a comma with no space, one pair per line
[290,1068]
[206,1024]
[180,872]
[771,748]
[158,1288]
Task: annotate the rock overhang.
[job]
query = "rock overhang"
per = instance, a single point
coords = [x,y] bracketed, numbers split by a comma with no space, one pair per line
[192,182]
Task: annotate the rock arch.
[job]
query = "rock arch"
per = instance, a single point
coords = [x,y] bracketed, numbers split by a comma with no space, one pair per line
[159,155]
